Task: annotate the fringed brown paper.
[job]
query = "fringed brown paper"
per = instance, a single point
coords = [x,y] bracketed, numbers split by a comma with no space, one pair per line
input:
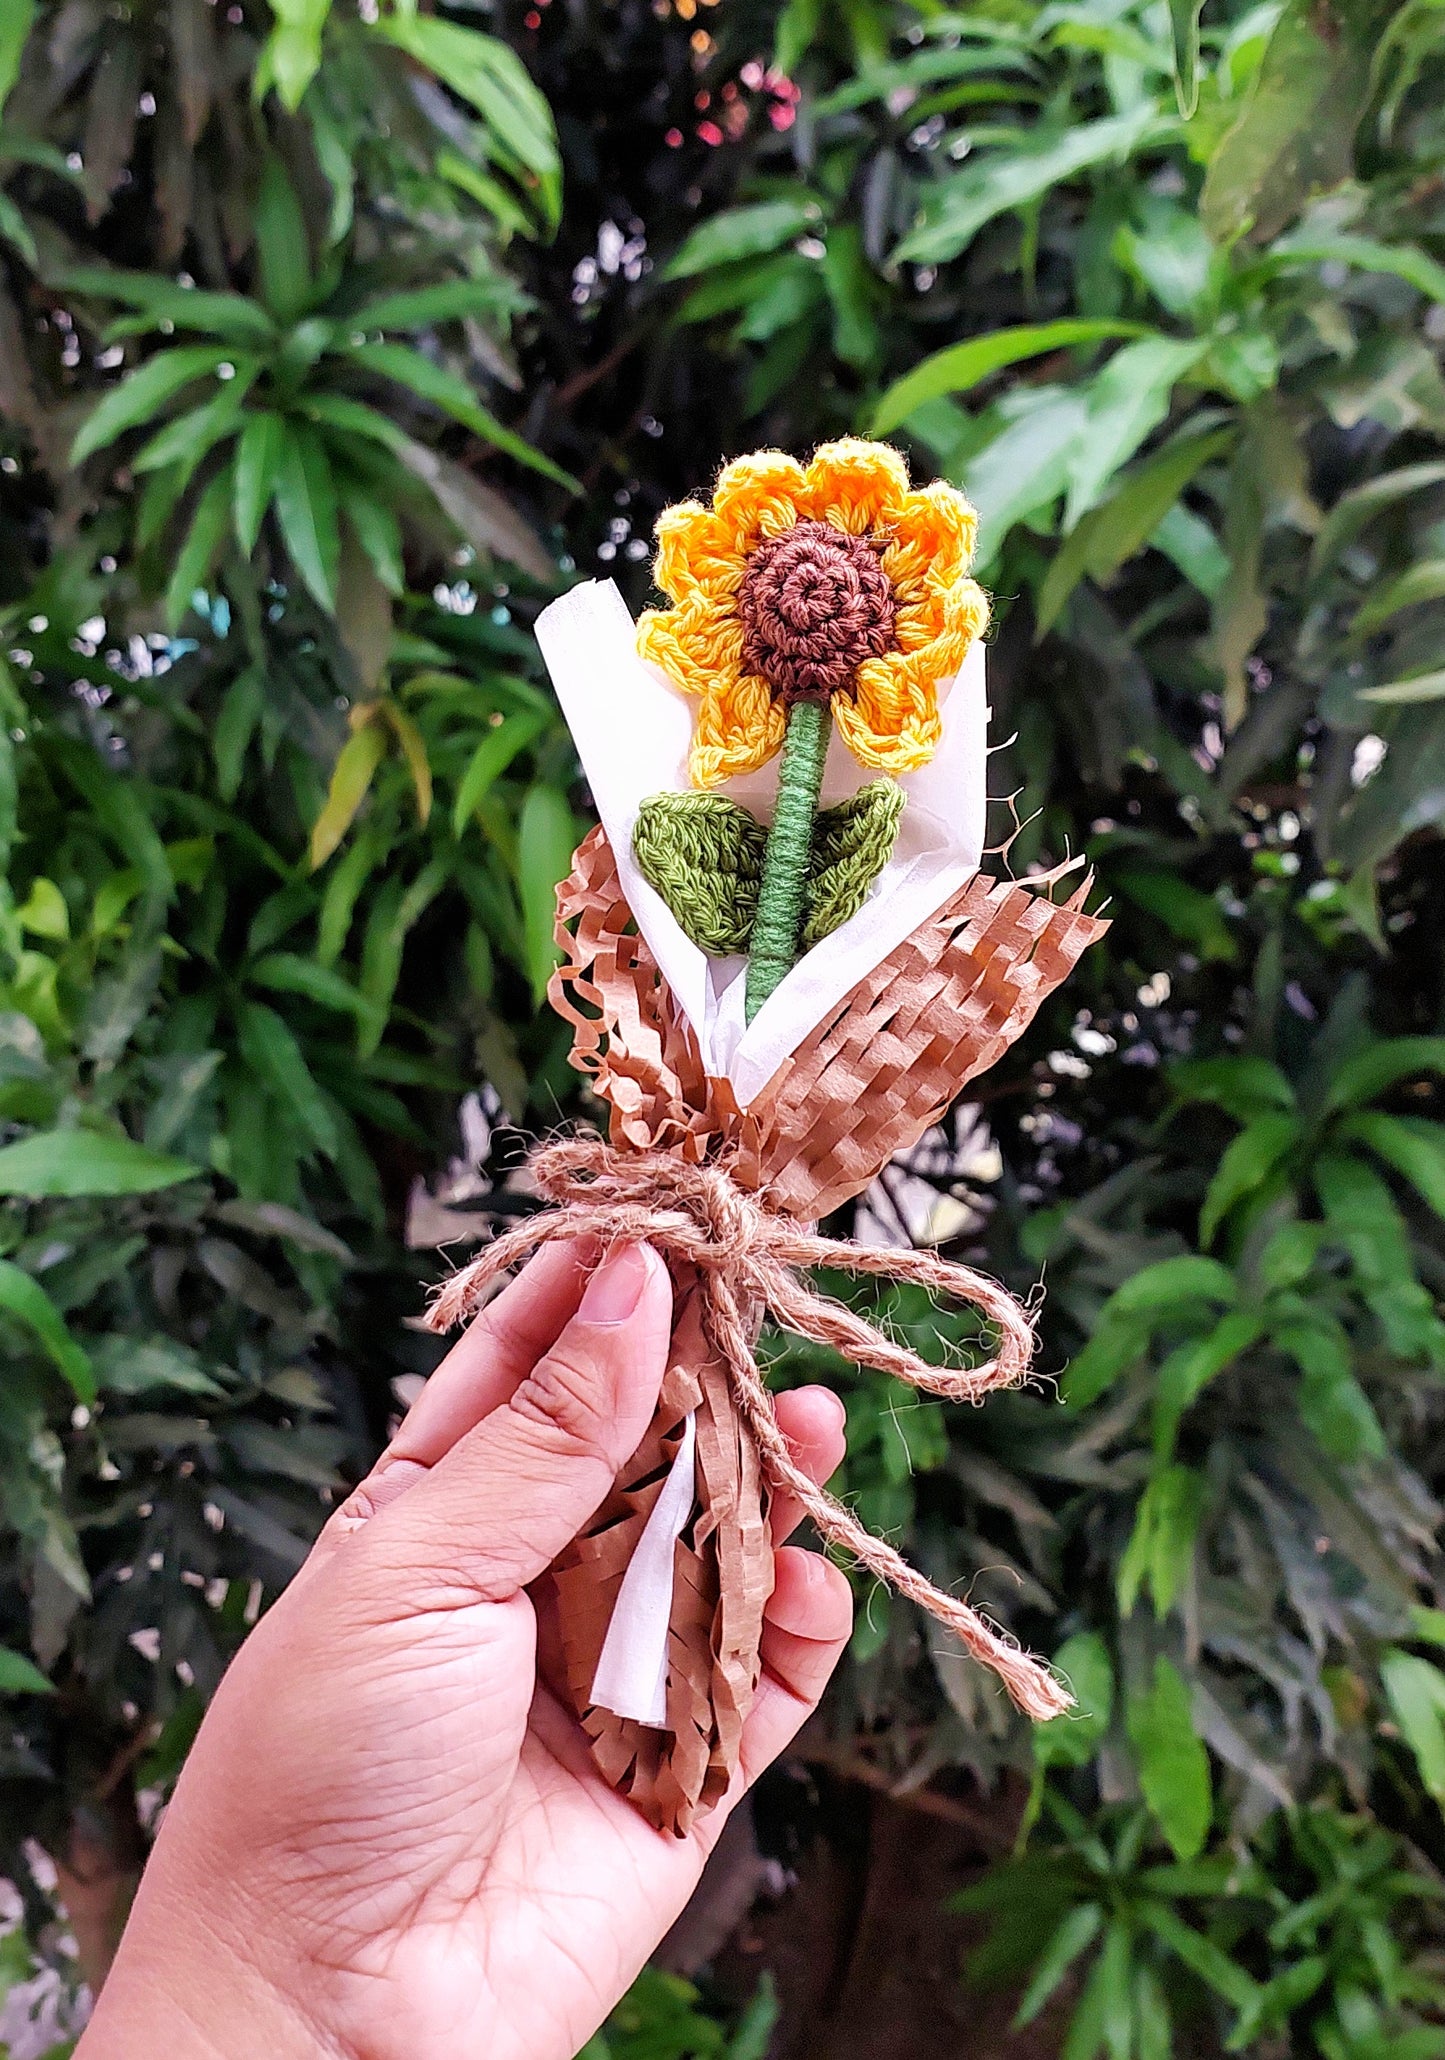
[712,1655]
[867,1082]
[881,1067]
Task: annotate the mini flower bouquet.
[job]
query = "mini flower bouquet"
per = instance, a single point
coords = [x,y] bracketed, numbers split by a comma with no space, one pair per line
[781,963]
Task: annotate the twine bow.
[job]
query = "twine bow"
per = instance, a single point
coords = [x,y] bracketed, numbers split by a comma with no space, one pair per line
[747,1258]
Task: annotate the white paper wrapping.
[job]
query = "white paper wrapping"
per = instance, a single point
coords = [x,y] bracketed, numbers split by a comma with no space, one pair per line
[631,1676]
[632,731]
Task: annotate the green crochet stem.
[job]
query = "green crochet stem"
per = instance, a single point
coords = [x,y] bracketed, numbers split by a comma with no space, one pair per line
[778,926]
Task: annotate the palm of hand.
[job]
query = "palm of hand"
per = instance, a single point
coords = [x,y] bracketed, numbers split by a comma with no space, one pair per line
[419,1850]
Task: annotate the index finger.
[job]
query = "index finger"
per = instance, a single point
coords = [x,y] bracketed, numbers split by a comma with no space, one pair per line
[494,1354]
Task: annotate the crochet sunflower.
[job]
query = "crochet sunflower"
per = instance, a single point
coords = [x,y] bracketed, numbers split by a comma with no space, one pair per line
[802,597]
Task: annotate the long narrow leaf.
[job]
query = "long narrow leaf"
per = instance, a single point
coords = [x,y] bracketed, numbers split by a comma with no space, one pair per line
[447,301]
[23,1298]
[1408,692]
[398,361]
[186,440]
[1112,533]
[1353,510]
[1332,1404]
[1247,1164]
[1074,1935]
[923,68]
[491,76]
[1382,1066]
[229,316]
[1171,1284]
[1416,1691]
[485,517]
[413,750]
[21,1676]
[397,911]
[1417,584]
[378,532]
[16,19]
[201,547]
[291,55]
[1200,1954]
[1413,1145]
[258,457]
[545,837]
[490,760]
[352,417]
[994,182]
[286,972]
[738,233]
[1363,253]
[86,1162]
[1127,401]
[966,365]
[1190,1367]
[282,250]
[305,498]
[270,1049]
[1184,41]
[351,779]
[143,393]
[1244,1086]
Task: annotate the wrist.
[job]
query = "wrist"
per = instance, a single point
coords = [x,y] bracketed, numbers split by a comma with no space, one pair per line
[187,1984]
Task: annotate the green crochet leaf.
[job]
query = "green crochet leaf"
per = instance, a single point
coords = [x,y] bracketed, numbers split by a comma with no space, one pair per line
[852,842]
[704,856]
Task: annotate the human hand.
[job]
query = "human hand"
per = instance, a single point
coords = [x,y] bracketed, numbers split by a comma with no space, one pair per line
[389,1841]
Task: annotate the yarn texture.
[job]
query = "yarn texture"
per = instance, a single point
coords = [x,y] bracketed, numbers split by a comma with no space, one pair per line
[852,843]
[804,598]
[921,541]
[777,932]
[815,605]
[704,855]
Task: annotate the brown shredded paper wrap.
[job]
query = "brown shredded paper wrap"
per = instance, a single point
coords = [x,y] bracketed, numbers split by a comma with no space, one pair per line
[727,1194]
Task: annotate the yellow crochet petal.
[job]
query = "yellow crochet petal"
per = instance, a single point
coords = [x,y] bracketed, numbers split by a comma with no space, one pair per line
[891,723]
[916,624]
[946,522]
[757,497]
[691,550]
[934,635]
[967,614]
[964,618]
[739,727]
[658,641]
[932,544]
[698,644]
[859,487]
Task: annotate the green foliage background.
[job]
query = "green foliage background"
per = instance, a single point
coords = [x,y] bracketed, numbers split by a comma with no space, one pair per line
[334,340]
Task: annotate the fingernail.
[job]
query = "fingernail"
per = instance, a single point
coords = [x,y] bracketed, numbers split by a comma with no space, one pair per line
[615,1289]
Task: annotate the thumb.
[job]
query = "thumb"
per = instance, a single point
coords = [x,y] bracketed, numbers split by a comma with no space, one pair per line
[494,1513]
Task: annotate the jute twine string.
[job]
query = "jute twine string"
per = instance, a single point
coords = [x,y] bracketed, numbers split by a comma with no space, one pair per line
[746,1258]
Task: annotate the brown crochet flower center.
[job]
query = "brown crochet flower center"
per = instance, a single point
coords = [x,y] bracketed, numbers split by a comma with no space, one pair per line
[815,604]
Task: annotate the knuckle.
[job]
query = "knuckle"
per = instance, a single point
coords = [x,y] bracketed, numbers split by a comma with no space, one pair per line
[568,1395]
[356,1510]
[389,1478]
